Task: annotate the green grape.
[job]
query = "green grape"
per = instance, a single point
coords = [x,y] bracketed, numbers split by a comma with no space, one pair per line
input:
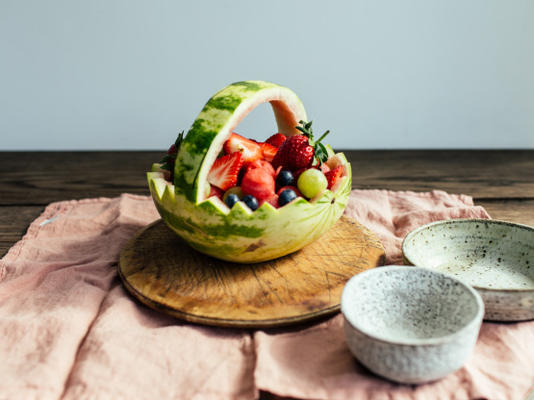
[312,182]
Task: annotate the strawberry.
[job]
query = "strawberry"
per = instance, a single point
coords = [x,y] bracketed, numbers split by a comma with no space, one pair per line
[276,140]
[250,150]
[268,151]
[258,182]
[215,191]
[333,175]
[297,173]
[225,170]
[324,168]
[294,153]
[172,149]
[299,151]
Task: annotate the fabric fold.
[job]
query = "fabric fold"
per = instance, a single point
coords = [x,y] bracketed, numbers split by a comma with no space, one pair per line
[132,352]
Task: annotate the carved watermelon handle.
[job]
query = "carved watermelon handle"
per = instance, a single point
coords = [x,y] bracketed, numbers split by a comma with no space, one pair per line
[221,114]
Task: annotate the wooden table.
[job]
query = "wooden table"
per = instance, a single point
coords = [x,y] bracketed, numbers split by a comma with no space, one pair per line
[501,181]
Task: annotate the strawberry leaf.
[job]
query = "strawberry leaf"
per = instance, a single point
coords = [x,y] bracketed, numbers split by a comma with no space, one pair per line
[169,160]
[321,154]
[323,136]
[166,159]
[179,141]
[304,131]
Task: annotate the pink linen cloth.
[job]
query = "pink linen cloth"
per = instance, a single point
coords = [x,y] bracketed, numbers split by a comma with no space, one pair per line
[68,329]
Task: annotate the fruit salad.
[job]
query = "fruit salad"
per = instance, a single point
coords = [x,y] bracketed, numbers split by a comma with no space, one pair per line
[277,171]
[246,201]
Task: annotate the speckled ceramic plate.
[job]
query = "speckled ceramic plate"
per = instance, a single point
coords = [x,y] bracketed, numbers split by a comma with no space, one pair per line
[495,257]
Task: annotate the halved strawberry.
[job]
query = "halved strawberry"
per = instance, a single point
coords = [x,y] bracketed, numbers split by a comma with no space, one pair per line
[250,150]
[276,140]
[259,183]
[224,171]
[268,150]
[333,175]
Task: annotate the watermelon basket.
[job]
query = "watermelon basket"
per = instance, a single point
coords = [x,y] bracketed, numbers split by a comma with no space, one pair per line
[240,234]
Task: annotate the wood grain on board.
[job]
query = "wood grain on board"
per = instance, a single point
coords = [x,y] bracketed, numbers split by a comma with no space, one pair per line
[163,272]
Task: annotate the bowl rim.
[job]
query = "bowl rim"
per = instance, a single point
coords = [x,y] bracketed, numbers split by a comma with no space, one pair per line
[462,221]
[432,341]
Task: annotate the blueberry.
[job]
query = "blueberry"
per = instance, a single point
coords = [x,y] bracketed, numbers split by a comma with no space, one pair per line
[251,202]
[285,178]
[286,196]
[231,199]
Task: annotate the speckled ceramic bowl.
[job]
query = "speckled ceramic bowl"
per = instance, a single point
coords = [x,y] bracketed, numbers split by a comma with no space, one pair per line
[495,257]
[410,324]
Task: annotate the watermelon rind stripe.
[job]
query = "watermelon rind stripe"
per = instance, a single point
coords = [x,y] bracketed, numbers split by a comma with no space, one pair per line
[240,234]
[218,118]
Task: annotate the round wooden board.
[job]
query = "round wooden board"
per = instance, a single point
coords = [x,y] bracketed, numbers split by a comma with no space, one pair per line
[163,272]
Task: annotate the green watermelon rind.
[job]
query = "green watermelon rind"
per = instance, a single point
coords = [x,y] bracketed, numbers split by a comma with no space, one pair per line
[223,111]
[245,236]
[240,234]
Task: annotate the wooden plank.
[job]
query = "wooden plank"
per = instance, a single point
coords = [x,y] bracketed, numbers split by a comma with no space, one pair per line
[14,222]
[518,211]
[478,173]
[497,179]
[38,178]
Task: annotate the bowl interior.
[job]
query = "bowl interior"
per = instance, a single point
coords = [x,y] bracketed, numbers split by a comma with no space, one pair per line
[402,304]
[485,254]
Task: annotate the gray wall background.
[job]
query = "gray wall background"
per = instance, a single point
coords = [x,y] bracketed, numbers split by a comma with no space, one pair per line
[123,74]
